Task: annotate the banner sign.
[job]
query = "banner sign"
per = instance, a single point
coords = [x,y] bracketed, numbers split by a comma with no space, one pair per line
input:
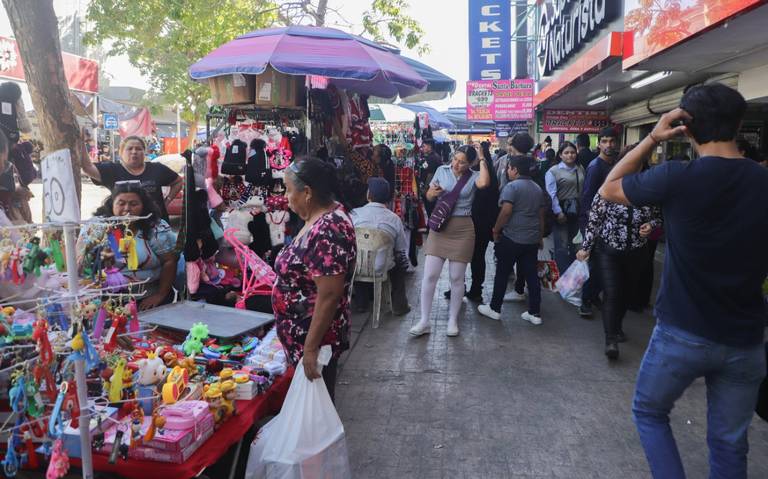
[59,194]
[82,74]
[567,25]
[110,121]
[655,28]
[509,128]
[490,40]
[500,100]
[574,121]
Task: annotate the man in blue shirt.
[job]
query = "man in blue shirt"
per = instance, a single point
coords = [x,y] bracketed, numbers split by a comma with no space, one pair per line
[710,310]
[597,171]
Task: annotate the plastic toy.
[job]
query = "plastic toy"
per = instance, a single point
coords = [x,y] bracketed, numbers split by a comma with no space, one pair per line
[175,385]
[194,342]
[59,464]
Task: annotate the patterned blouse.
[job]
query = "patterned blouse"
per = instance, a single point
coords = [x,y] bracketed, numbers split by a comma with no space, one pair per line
[618,225]
[328,249]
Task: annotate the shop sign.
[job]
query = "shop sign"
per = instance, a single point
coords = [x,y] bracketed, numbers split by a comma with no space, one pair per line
[574,121]
[506,129]
[567,25]
[490,40]
[110,121]
[82,74]
[59,195]
[500,100]
[655,28]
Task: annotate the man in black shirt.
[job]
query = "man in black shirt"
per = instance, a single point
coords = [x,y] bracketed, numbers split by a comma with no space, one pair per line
[132,167]
[710,310]
[585,154]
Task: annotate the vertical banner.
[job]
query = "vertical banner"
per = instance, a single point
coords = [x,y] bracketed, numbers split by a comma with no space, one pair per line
[490,40]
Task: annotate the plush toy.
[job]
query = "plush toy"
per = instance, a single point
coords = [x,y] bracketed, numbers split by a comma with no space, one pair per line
[151,370]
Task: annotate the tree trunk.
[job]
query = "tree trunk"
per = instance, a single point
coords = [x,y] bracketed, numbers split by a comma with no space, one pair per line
[322,11]
[37,34]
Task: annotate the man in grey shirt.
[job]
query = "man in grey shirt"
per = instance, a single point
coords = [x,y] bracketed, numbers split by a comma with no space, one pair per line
[517,144]
[518,234]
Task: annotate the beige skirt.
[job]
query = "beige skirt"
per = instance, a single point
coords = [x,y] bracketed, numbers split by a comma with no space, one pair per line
[456,242]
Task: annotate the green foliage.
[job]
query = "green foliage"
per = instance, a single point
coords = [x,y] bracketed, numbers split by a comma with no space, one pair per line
[162,38]
[386,19]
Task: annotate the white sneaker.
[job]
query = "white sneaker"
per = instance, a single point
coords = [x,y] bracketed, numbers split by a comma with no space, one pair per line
[514,296]
[486,311]
[452,331]
[533,319]
[419,329]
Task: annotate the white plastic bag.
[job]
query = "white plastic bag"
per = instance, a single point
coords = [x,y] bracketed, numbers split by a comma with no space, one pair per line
[570,283]
[306,440]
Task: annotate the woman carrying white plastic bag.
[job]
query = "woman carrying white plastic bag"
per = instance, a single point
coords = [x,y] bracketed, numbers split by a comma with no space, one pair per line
[570,283]
[306,440]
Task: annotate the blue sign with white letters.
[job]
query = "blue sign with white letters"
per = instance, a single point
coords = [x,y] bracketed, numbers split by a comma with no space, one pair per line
[110,121]
[490,40]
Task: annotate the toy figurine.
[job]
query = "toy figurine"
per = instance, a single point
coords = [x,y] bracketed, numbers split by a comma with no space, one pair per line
[59,464]
[214,399]
[228,389]
[137,420]
[156,426]
[194,342]
[151,370]
[115,280]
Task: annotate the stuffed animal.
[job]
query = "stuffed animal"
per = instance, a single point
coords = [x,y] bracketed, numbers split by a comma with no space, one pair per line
[151,370]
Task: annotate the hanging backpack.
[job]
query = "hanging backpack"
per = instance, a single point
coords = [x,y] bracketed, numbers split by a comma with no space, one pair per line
[234,159]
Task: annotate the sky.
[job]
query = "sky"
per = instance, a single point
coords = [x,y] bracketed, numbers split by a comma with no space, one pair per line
[444,30]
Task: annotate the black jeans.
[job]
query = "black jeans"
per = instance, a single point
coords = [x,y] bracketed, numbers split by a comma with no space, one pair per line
[483,236]
[618,270]
[593,286]
[642,296]
[364,292]
[526,256]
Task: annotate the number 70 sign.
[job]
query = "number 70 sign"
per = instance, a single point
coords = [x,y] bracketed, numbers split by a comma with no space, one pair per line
[60,202]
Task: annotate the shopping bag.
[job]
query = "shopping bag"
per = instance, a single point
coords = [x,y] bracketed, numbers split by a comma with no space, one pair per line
[570,283]
[306,440]
[548,274]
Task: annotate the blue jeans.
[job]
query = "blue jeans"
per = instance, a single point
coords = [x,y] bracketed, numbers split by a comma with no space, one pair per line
[673,360]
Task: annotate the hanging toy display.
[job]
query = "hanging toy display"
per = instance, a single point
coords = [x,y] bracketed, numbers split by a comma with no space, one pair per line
[128,250]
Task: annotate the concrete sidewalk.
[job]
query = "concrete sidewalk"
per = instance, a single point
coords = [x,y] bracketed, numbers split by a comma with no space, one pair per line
[506,399]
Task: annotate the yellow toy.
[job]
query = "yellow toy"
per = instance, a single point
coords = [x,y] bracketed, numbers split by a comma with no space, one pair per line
[214,399]
[175,385]
[227,389]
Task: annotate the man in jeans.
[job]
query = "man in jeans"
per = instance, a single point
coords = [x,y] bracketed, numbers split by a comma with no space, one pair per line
[710,310]
[597,171]
[518,236]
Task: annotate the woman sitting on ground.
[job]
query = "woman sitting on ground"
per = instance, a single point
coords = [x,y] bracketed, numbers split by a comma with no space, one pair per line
[155,242]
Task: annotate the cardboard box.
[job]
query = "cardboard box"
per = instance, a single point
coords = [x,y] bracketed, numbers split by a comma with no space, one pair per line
[146,453]
[71,436]
[275,89]
[234,89]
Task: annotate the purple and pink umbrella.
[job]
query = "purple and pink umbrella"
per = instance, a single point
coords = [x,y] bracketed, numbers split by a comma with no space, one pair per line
[349,61]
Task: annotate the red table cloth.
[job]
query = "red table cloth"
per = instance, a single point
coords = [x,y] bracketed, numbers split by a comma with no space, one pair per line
[248,412]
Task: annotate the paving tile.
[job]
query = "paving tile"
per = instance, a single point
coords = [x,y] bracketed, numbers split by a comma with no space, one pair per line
[506,399]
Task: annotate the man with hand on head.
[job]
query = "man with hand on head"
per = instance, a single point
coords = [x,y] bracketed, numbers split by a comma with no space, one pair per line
[710,309]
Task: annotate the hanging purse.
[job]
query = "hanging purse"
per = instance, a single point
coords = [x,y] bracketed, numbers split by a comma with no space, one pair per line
[445,205]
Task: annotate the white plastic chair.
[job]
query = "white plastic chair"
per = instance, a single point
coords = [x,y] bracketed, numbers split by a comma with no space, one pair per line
[369,243]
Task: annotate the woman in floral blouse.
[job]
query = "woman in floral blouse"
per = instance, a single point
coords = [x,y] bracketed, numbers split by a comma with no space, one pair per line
[314,272]
[620,234]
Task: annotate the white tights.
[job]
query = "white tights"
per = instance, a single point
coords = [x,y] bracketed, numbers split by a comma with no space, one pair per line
[433,266]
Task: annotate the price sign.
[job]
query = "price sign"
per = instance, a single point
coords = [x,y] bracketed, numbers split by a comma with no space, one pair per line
[59,194]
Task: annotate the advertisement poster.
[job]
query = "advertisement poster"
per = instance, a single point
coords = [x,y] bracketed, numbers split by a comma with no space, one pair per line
[490,51]
[500,100]
[657,26]
[574,121]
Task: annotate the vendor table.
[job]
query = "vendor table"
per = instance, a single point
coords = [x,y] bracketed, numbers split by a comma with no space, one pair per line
[230,432]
